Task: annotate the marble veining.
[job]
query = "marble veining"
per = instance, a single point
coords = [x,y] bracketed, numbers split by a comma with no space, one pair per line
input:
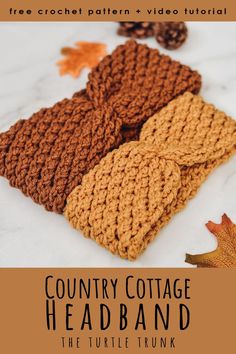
[29,80]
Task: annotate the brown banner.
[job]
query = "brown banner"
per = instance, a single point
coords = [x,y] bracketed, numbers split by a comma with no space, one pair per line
[115,10]
[112,310]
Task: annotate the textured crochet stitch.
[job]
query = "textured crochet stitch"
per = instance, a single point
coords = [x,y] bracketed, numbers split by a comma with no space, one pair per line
[124,201]
[47,155]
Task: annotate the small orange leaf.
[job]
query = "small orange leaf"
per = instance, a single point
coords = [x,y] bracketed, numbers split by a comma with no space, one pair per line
[87,54]
[225,254]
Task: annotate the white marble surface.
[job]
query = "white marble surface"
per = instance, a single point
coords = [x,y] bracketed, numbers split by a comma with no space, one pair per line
[29,79]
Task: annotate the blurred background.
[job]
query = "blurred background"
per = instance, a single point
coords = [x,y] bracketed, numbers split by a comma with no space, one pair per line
[30,80]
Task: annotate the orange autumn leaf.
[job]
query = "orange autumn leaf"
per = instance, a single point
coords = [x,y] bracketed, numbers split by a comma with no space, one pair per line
[225,254]
[87,54]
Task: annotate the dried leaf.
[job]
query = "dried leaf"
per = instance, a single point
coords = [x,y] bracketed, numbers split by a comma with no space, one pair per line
[87,54]
[225,254]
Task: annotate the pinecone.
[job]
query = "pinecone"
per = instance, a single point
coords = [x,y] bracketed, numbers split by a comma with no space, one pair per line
[170,35]
[136,29]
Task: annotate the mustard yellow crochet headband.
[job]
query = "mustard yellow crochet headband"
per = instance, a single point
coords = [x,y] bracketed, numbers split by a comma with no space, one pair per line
[133,192]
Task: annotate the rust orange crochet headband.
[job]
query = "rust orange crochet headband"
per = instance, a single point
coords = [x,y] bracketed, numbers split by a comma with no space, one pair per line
[47,155]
